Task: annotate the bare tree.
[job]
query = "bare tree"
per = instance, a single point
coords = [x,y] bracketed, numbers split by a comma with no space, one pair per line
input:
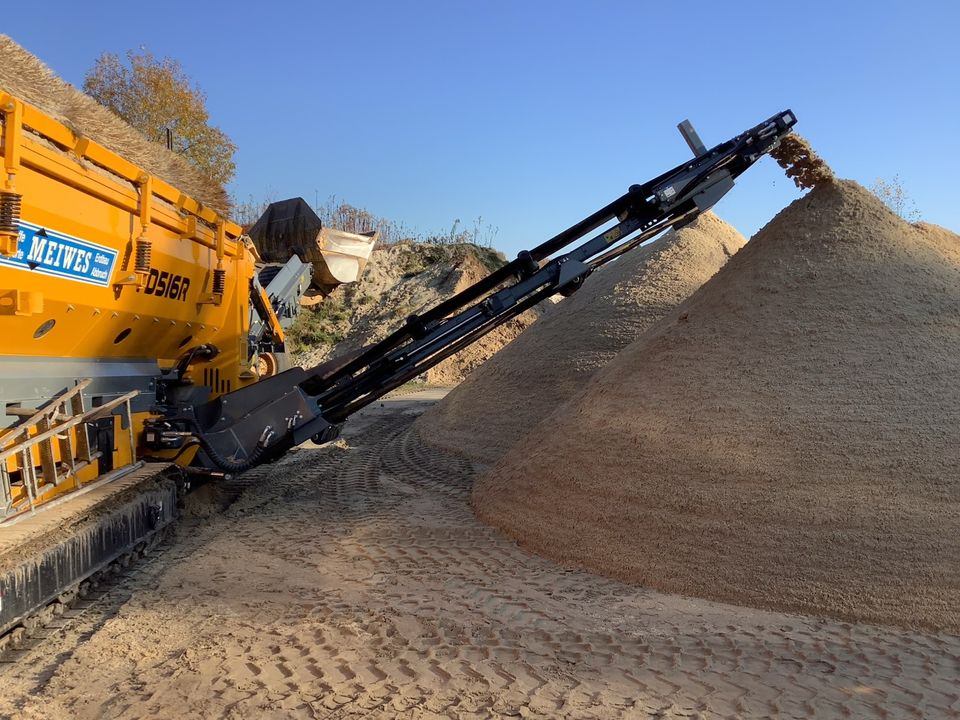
[247,212]
[342,215]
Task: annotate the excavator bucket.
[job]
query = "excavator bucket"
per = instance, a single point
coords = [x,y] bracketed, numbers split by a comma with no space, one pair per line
[291,227]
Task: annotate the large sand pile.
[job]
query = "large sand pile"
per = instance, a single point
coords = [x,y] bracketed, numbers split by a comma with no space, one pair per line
[789,437]
[27,78]
[523,383]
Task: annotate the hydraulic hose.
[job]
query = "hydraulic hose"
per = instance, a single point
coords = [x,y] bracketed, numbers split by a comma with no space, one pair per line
[232,466]
[222,463]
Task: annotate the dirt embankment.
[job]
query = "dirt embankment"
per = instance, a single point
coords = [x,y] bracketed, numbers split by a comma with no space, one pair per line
[525,382]
[787,438]
[401,280]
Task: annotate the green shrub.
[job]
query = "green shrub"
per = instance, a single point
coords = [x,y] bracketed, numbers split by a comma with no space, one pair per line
[318,326]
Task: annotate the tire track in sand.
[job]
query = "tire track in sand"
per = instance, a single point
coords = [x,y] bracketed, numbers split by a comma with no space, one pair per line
[354,582]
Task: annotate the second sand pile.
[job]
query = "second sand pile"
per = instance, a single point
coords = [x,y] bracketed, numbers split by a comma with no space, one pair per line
[789,438]
[551,360]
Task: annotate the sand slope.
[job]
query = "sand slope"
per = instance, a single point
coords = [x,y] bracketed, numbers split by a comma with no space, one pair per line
[789,438]
[524,382]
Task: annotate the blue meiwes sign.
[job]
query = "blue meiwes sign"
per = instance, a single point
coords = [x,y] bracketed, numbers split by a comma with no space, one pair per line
[49,252]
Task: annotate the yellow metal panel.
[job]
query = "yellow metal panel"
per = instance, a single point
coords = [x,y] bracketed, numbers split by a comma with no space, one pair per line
[93,196]
[272,320]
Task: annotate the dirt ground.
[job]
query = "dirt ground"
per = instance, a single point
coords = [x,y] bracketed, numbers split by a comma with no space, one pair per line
[353,581]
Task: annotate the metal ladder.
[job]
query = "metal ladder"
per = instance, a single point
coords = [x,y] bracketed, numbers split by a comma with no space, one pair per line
[29,446]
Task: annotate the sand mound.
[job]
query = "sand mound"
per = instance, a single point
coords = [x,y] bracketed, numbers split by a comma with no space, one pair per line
[25,77]
[522,384]
[789,437]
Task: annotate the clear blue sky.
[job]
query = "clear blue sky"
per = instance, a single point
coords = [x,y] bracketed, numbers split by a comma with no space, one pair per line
[533,114]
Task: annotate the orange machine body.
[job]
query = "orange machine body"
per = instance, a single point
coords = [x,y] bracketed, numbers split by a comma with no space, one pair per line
[111,275]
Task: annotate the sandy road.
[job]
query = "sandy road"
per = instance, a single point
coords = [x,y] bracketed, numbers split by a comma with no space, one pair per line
[353,582]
